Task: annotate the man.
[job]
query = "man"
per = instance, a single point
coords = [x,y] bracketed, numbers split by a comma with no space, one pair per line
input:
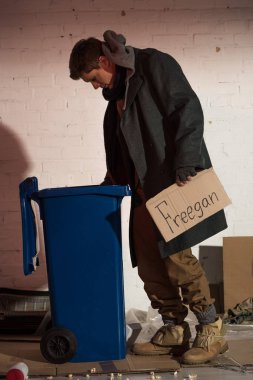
[153,133]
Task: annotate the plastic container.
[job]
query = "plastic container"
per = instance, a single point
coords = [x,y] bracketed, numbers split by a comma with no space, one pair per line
[17,372]
[82,234]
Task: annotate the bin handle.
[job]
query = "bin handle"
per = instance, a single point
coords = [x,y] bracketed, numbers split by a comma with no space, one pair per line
[29,232]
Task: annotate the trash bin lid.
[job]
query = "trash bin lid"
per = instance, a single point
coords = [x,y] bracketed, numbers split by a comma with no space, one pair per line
[110,190]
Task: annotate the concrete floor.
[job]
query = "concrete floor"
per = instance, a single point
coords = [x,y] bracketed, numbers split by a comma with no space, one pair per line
[204,373]
[235,364]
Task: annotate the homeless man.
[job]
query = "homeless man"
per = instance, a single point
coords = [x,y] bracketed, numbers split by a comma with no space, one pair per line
[153,135]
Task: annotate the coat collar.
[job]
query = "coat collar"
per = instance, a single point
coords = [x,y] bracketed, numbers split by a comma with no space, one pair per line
[134,85]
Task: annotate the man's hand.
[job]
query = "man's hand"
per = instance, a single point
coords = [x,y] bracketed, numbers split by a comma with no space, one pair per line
[185,174]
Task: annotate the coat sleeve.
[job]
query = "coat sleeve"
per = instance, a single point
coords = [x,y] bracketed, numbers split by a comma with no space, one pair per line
[180,108]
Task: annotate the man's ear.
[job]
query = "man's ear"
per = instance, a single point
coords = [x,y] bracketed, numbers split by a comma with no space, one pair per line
[105,63]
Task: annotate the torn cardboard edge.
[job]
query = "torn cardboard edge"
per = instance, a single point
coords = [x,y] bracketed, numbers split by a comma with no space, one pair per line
[237,269]
[176,209]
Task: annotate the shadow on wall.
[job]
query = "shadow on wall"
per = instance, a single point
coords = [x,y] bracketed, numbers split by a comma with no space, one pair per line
[14,165]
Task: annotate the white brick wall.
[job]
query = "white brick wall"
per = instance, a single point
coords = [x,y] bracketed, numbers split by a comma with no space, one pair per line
[51,126]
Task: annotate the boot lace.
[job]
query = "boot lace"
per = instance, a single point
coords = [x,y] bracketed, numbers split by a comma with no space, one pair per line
[205,339]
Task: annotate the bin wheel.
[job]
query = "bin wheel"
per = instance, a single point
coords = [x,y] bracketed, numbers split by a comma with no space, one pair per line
[58,345]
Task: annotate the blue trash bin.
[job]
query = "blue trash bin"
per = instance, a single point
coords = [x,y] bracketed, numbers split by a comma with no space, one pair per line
[82,235]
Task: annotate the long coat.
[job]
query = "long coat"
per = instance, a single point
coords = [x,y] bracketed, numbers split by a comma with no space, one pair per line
[162,127]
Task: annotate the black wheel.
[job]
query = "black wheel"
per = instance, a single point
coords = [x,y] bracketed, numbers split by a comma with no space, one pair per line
[58,345]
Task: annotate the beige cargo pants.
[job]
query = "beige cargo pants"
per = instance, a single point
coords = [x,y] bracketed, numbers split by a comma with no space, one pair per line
[170,283]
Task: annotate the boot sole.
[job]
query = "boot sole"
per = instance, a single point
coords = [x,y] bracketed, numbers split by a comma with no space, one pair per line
[157,353]
[222,351]
[173,350]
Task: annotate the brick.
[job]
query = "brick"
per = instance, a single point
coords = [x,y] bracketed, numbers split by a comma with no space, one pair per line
[17,19]
[237,100]
[153,5]
[10,238]
[93,134]
[52,30]
[8,93]
[94,164]
[19,119]
[12,106]
[227,76]
[41,81]
[236,26]
[56,104]
[220,101]
[246,88]
[25,6]
[81,152]
[213,40]
[193,4]
[12,219]
[214,4]
[58,42]
[8,56]
[69,165]
[55,18]
[107,5]
[146,16]
[44,152]
[234,3]
[213,65]
[74,30]
[169,41]
[101,19]
[62,141]
[10,31]
[19,43]
[35,105]
[49,129]
[76,103]
[245,39]
[181,18]
[79,179]
[45,92]
[221,15]
[60,117]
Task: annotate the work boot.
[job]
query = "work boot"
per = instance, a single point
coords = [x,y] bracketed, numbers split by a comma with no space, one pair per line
[208,344]
[169,339]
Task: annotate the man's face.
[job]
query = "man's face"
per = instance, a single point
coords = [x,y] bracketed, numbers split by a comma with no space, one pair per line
[102,77]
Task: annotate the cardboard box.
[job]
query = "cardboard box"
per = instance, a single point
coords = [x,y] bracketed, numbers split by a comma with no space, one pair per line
[177,209]
[237,269]
[211,260]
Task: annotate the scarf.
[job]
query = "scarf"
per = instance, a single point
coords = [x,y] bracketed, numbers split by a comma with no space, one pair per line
[119,86]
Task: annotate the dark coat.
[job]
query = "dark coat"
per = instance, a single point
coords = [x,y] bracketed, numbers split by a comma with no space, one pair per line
[162,126]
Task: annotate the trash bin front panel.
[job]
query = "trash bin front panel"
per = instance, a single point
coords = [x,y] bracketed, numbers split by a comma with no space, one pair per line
[84,263]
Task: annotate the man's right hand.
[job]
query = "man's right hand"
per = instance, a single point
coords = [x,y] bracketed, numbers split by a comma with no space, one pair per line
[183,175]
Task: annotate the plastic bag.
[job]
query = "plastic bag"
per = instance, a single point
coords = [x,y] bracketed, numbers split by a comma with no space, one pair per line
[143,324]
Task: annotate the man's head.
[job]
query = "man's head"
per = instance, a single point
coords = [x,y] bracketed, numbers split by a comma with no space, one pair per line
[88,62]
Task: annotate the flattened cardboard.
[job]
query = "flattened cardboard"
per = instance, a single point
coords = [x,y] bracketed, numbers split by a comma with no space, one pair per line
[29,353]
[237,269]
[177,209]
[211,260]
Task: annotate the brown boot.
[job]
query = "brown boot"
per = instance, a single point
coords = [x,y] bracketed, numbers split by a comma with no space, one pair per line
[208,344]
[167,340]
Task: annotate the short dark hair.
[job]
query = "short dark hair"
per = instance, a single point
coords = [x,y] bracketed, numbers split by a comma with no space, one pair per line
[84,57]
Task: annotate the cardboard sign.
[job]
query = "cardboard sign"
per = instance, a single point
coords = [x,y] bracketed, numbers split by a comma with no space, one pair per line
[177,209]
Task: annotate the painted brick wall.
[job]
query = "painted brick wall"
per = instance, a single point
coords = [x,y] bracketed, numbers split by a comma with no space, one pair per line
[51,126]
